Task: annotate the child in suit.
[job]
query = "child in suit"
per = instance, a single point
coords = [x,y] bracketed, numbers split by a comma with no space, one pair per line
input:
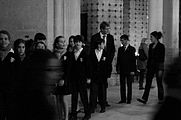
[99,74]
[79,78]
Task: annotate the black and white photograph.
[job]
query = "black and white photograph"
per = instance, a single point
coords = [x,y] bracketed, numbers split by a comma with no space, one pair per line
[90,59]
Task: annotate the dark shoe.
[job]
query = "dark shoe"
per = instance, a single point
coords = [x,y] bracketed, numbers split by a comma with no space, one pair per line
[120,102]
[86,117]
[141,100]
[102,110]
[128,102]
[108,105]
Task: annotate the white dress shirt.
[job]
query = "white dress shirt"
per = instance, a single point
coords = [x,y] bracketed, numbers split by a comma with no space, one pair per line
[77,53]
[98,54]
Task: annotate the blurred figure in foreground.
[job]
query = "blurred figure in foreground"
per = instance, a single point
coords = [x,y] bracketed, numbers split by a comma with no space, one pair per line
[170,109]
[35,98]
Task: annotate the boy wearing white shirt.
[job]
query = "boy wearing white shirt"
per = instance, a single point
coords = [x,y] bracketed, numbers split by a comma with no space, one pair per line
[79,78]
[99,73]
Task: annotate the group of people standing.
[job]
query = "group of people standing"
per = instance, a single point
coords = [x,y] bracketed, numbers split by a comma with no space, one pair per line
[33,75]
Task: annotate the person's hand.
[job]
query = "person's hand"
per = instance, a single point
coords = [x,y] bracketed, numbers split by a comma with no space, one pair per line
[88,81]
[61,83]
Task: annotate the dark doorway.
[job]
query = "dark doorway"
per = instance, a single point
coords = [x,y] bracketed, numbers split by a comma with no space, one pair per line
[84,25]
[83,30]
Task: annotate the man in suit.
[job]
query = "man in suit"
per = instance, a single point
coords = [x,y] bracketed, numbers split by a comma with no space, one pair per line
[109,47]
[126,67]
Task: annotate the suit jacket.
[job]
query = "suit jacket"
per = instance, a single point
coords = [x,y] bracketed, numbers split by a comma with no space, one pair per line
[126,60]
[99,70]
[80,69]
[110,49]
[156,56]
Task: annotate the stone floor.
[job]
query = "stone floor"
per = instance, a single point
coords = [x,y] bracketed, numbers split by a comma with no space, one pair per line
[133,111]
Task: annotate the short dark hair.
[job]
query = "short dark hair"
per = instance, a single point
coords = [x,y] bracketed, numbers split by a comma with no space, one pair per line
[104,24]
[124,36]
[5,32]
[98,42]
[39,36]
[79,38]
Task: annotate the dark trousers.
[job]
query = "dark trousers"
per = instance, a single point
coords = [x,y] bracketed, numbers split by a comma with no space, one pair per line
[149,78]
[141,77]
[126,78]
[106,87]
[82,90]
[97,91]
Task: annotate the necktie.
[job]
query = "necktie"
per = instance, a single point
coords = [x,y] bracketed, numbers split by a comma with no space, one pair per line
[124,48]
[104,38]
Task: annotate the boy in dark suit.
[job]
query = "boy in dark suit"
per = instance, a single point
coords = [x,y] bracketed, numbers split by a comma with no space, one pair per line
[109,46]
[126,67]
[99,74]
[79,78]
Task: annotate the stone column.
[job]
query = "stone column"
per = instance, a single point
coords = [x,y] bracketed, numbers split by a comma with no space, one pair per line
[71,17]
[63,18]
[171,28]
[59,16]
[155,16]
[67,17]
[50,23]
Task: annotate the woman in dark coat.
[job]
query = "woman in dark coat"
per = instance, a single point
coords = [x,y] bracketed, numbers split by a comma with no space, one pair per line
[155,66]
[63,85]
[18,78]
[6,59]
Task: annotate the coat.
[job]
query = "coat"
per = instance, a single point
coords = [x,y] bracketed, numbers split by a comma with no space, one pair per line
[126,60]
[156,57]
[110,49]
[99,69]
[79,70]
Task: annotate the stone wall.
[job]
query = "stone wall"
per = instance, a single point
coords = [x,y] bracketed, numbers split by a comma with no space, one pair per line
[23,17]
